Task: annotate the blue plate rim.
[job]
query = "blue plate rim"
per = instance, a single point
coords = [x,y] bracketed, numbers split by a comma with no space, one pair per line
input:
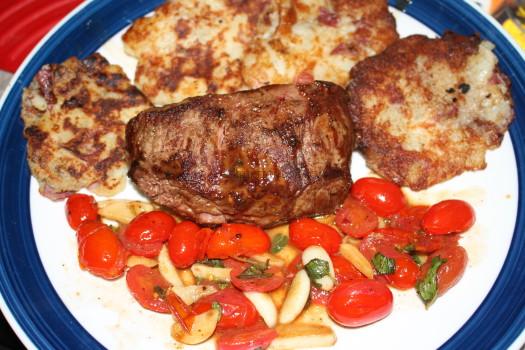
[20,313]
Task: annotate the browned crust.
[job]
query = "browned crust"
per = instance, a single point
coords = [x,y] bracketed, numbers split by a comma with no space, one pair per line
[378,78]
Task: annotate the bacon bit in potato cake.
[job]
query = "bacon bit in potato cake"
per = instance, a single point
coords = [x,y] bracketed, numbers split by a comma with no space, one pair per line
[319,39]
[193,47]
[428,109]
[75,116]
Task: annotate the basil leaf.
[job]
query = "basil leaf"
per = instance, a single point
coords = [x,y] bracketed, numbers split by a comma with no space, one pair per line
[427,287]
[417,259]
[409,249]
[255,271]
[317,268]
[279,241]
[212,262]
[383,264]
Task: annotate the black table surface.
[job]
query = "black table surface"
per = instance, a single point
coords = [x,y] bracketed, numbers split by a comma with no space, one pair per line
[8,338]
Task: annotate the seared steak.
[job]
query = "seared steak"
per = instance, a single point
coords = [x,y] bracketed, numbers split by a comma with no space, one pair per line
[263,156]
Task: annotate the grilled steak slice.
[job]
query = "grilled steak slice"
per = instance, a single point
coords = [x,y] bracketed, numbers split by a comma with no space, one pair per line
[263,156]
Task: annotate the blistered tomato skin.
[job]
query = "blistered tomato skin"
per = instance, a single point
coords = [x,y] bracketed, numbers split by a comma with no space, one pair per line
[306,232]
[183,245]
[354,219]
[236,240]
[406,273]
[102,254]
[146,233]
[449,216]
[381,196]
[452,269]
[79,208]
[360,302]
[236,310]
[144,283]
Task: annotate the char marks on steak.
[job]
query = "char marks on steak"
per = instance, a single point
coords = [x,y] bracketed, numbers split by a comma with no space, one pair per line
[262,156]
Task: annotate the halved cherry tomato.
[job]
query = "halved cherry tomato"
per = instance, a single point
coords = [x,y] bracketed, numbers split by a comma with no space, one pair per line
[409,218]
[406,273]
[345,270]
[452,270]
[184,245]
[102,254]
[295,265]
[306,232]
[449,216]
[80,207]
[383,197]
[271,279]
[354,219]
[359,302]
[146,233]
[148,287]
[236,310]
[88,227]
[236,240]
[258,336]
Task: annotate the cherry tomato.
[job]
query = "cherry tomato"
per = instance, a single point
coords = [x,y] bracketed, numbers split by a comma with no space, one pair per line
[148,287]
[360,302]
[184,245]
[273,277]
[258,336]
[345,270]
[452,270]
[295,265]
[388,241]
[237,239]
[354,219]
[406,274]
[236,310]
[383,197]
[409,218]
[146,233]
[80,207]
[426,243]
[449,216]
[102,254]
[306,232]
[86,228]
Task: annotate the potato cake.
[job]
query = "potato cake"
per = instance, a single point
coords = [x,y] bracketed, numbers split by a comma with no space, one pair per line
[319,40]
[190,48]
[75,116]
[426,110]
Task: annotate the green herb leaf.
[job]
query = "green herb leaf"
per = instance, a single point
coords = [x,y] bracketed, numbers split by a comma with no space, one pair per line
[279,241]
[427,287]
[212,262]
[417,259]
[215,305]
[409,249]
[383,264]
[255,271]
[317,268]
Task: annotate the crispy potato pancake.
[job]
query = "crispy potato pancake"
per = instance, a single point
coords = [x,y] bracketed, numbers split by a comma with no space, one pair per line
[75,116]
[426,110]
[190,48]
[319,39]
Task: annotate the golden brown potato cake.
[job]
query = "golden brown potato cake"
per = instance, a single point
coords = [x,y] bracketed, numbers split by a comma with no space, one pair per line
[75,116]
[319,39]
[190,48]
[426,110]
